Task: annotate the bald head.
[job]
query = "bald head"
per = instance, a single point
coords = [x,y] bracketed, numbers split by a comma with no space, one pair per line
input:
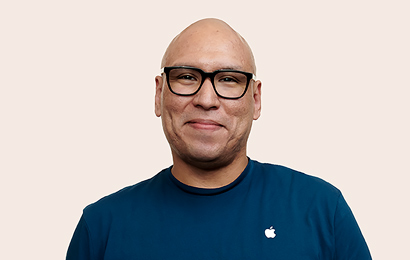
[209,36]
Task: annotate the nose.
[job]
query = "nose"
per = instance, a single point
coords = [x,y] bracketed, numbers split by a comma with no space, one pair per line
[206,96]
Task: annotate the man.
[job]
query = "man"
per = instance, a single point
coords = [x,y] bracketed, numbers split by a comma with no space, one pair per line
[215,202]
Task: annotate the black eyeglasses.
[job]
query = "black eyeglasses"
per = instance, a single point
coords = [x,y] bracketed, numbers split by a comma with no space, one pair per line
[187,81]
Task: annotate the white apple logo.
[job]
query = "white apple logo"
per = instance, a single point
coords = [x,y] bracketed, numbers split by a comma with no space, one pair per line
[270,232]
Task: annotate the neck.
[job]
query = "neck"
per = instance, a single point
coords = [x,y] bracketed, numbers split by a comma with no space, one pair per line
[196,175]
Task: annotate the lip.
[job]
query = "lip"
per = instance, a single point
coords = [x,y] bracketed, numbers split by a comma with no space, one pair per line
[204,124]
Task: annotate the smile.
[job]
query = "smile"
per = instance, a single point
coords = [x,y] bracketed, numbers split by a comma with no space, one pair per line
[202,124]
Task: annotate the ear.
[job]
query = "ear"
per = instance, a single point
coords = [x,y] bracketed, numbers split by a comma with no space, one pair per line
[158,95]
[257,99]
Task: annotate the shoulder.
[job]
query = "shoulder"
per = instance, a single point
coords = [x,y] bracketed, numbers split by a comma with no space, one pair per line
[290,180]
[122,199]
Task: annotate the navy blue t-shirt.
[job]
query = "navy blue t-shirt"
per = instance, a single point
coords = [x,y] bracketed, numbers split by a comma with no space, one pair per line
[268,212]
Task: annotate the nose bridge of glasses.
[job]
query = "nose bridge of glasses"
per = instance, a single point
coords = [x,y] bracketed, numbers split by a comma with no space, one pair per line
[208,77]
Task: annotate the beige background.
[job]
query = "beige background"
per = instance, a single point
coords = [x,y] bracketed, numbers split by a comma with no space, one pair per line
[77,92]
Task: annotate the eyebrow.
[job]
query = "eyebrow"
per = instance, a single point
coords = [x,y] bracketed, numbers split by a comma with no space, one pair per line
[221,68]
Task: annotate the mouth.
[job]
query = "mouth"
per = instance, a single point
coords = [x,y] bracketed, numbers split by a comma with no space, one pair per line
[204,124]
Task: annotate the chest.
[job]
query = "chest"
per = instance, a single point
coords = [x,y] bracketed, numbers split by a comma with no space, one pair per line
[230,229]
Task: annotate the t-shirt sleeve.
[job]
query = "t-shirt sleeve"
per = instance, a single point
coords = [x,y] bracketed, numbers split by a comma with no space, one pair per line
[80,245]
[349,241]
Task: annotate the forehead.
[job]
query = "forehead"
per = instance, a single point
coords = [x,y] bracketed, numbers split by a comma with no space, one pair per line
[209,48]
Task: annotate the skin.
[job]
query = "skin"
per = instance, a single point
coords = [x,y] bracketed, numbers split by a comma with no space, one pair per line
[208,134]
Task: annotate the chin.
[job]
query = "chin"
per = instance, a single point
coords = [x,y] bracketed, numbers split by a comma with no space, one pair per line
[208,161]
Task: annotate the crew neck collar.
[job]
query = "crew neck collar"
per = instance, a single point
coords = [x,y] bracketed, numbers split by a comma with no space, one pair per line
[210,192]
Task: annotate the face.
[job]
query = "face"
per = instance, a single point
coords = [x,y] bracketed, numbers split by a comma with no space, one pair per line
[205,129]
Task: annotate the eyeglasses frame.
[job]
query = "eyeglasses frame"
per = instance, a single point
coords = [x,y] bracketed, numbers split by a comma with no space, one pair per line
[211,76]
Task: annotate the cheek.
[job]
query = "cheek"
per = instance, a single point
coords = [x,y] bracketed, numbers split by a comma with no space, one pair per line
[242,111]
[169,124]
[172,110]
[168,112]
[241,118]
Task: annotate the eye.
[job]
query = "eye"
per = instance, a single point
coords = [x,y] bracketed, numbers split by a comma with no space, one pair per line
[186,77]
[227,79]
